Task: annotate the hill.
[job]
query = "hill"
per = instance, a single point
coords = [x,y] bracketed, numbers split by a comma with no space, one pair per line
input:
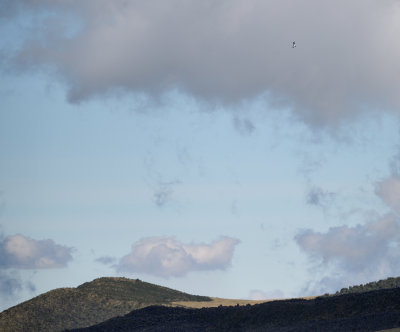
[368,311]
[88,304]
[120,304]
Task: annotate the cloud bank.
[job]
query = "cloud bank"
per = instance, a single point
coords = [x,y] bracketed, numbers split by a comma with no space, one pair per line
[167,257]
[345,63]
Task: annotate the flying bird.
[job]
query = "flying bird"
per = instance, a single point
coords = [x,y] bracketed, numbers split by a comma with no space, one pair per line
[294,45]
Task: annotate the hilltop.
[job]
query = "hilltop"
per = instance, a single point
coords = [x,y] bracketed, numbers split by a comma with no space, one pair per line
[88,304]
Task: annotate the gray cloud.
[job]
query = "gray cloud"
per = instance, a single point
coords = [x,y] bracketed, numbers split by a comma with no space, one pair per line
[106,260]
[345,63]
[166,256]
[355,254]
[9,284]
[1,197]
[243,126]
[389,191]
[358,254]
[319,197]
[20,252]
[164,192]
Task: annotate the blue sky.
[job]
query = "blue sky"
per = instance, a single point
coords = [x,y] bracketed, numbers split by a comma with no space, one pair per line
[189,145]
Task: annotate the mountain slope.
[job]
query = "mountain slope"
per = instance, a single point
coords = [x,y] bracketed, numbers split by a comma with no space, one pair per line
[88,304]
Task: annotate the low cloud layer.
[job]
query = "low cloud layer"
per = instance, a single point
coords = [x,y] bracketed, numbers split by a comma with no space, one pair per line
[20,252]
[345,62]
[167,257]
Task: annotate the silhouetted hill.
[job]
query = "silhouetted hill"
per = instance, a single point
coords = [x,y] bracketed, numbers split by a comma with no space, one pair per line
[369,311]
[90,303]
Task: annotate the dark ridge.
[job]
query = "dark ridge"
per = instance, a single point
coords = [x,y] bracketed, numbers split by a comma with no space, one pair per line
[369,311]
[88,304]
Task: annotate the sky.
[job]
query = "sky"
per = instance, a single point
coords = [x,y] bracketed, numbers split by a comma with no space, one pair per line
[187,144]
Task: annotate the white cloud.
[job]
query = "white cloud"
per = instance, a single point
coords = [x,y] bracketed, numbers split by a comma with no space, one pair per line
[345,61]
[165,256]
[20,252]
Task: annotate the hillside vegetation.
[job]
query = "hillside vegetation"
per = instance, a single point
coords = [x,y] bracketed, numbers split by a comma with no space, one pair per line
[375,285]
[89,304]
